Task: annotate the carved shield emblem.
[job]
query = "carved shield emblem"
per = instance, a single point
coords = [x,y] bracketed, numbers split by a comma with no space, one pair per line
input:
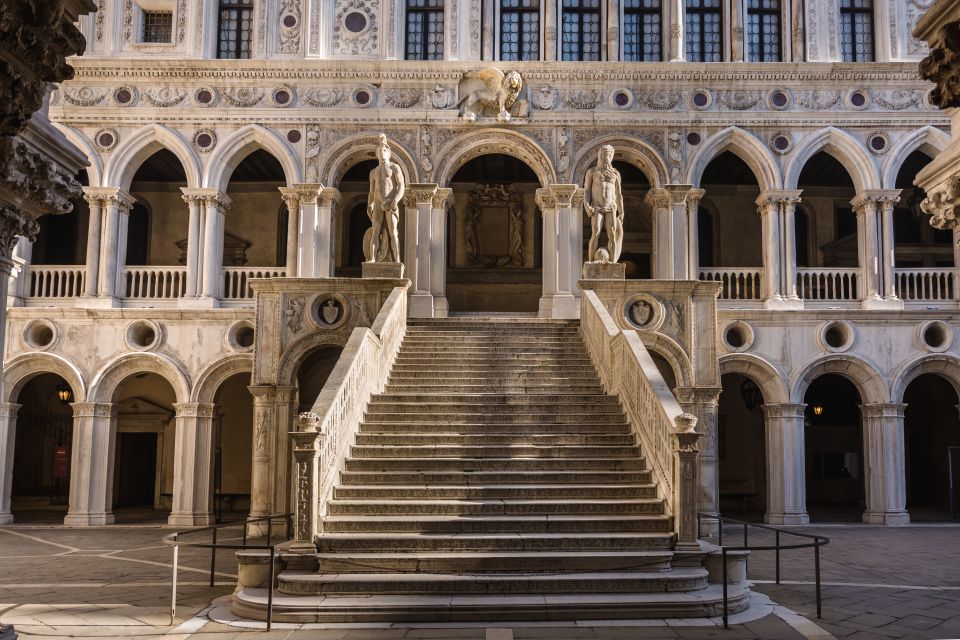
[330,311]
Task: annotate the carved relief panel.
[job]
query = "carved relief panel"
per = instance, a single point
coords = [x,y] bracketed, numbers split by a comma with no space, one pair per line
[494,227]
[357,28]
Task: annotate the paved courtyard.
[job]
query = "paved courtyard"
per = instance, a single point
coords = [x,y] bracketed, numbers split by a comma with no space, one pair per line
[114,582]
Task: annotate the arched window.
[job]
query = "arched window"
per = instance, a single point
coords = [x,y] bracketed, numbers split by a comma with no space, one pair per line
[856,30]
[641,31]
[520,29]
[138,235]
[763,30]
[424,30]
[704,31]
[581,30]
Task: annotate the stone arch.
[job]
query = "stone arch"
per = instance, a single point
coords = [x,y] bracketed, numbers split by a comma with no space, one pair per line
[105,383]
[929,140]
[863,374]
[356,149]
[631,150]
[214,375]
[95,168]
[238,145]
[745,146]
[842,146]
[462,149]
[132,152]
[946,366]
[297,352]
[672,352]
[766,375]
[19,371]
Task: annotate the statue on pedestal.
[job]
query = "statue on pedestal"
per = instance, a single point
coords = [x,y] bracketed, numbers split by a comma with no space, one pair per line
[382,242]
[603,202]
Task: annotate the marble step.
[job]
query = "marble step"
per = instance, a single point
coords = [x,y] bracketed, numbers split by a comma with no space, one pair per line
[495,399]
[595,506]
[479,428]
[394,542]
[519,404]
[528,358]
[494,347]
[545,561]
[494,371]
[491,386]
[419,339]
[494,524]
[472,465]
[512,451]
[512,417]
[497,492]
[488,478]
[682,579]
[366,438]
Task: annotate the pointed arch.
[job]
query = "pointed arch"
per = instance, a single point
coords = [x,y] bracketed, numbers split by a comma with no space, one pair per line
[745,146]
[628,149]
[842,146]
[132,152]
[863,374]
[945,366]
[95,168]
[103,388]
[481,142]
[241,143]
[928,140]
[19,371]
[766,375]
[356,149]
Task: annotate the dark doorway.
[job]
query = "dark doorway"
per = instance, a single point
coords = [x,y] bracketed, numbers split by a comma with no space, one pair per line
[741,448]
[136,469]
[930,427]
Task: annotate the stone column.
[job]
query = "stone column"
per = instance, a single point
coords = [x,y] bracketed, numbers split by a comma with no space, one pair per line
[673,228]
[489,29]
[550,30]
[325,253]
[738,43]
[113,247]
[769,210]
[418,213]
[194,199]
[261,476]
[215,207]
[884,465]
[613,30]
[886,201]
[438,252]
[193,466]
[662,254]
[291,199]
[788,209]
[868,248]
[678,51]
[701,402]
[693,233]
[685,441]
[8,438]
[308,252]
[306,454]
[785,464]
[91,464]
[94,229]
[559,204]
[285,410]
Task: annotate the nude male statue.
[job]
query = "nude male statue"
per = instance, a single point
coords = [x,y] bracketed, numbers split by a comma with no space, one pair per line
[603,202]
[386,191]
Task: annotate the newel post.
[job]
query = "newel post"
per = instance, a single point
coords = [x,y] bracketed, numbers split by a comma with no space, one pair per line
[307,440]
[685,485]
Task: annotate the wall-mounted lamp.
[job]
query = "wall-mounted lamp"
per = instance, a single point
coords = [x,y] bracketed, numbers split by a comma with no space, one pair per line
[64,394]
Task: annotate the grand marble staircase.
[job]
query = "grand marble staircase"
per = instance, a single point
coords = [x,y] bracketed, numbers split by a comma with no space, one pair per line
[493,480]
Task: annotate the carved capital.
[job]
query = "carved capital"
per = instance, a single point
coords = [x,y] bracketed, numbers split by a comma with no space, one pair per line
[943,203]
[942,66]
[565,195]
[13,225]
[194,409]
[893,410]
[443,198]
[678,193]
[308,422]
[291,197]
[308,192]
[329,197]
[419,193]
[93,409]
[873,199]
[784,410]
[658,198]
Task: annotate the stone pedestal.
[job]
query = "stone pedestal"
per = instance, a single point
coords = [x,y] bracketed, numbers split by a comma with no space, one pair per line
[604,271]
[392,270]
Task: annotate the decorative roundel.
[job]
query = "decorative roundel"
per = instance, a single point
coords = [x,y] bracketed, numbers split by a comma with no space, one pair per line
[293,136]
[40,334]
[858,99]
[364,97]
[779,99]
[356,22]
[125,96]
[106,139]
[289,21]
[621,99]
[935,336]
[282,96]
[701,99]
[694,138]
[240,335]
[330,310]
[781,142]
[205,96]
[738,336]
[204,140]
[836,336]
[878,142]
[143,335]
[643,311]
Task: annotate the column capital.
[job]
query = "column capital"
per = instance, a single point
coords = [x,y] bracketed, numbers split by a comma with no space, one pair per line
[883,409]
[658,198]
[704,395]
[555,196]
[329,196]
[679,192]
[784,410]
[308,192]
[110,195]
[419,193]
[290,195]
[443,198]
[871,199]
[194,409]
[262,392]
[94,409]
[9,409]
[14,224]
[92,196]
[781,196]
[207,196]
[767,204]
[695,195]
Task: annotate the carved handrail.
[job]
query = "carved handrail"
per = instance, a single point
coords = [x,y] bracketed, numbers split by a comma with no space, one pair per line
[665,432]
[924,285]
[236,280]
[828,283]
[325,433]
[56,281]
[739,283]
[148,282]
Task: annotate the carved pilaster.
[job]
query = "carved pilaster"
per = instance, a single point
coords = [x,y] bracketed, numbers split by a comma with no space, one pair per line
[307,442]
[685,483]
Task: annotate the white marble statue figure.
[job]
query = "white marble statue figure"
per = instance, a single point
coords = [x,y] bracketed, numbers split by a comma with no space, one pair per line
[603,202]
[386,192]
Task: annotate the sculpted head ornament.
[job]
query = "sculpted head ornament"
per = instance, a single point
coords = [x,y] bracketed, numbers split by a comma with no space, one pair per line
[383,149]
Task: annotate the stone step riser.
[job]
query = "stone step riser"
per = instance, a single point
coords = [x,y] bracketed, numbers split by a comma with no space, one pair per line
[494,349]
[489,526]
[539,440]
[520,405]
[626,492]
[543,426]
[373,508]
[651,561]
[457,479]
[491,387]
[497,418]
[483,400]
[537,358]
[448,451]
[354,543]
[530,465]
[325,585]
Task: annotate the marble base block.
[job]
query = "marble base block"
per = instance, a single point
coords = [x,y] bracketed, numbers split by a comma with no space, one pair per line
[604,271]
[382,270]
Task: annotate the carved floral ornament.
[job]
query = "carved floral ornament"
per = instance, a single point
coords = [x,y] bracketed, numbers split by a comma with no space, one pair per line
[943,204]
[942,67]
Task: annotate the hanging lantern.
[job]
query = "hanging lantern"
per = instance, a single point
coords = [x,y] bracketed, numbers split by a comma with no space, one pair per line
[64,393]
[752,397]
